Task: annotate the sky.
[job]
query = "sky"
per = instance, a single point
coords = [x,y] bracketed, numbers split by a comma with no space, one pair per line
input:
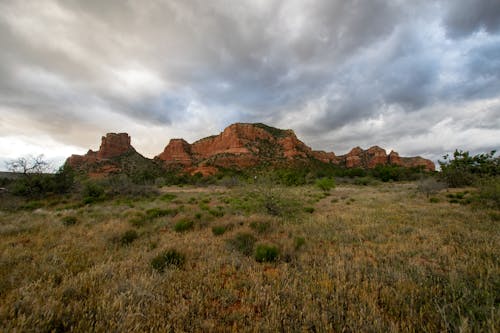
[420,77]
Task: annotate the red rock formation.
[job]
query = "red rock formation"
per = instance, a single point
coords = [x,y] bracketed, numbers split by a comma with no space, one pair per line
[97,163]
[394,158]
[359,158]
[411,162]
[239,146]
[375,156]
[113,145]
[353,159]
[325,157]
[178,151]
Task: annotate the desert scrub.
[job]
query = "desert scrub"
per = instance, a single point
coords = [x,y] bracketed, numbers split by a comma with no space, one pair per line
[93,192]
[219,230]
[154,213]
[309,210]
[69,220]
[169,258]
[261,226]
[217,211]
[128,237]
[243,243]
[299,242]
[168,197]
[183,225]
[266,253]
[325,184]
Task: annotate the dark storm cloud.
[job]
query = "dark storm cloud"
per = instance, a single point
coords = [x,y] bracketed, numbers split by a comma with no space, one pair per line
[320,67]
[465,17]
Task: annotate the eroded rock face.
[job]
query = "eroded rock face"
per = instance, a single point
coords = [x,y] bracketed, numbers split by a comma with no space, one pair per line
[370,158]
[97,163]
[353,159]
[239,146]
[113,145]
[410,162]
[178,151]
[394,158]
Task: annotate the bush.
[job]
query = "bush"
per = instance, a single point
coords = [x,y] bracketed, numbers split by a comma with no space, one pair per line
[217,212]
[243,242]
[154,213]
[218,230]
[69,220]
[489,193]
[92,192]
[463,169]
[128,237]
[433,200]
[325,184]
[309,210]
[261,226]
[266,253]
[183,225]
[299,242]
[169,258]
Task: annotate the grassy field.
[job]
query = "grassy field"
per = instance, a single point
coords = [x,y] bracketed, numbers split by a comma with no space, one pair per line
[379,258]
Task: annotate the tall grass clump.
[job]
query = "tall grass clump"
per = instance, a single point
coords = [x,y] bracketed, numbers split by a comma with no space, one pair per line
[183,225]
[243,243]
[266,253]
[169,258]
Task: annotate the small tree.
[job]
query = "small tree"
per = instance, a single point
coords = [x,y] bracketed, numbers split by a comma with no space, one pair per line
[463,169]
[33,180]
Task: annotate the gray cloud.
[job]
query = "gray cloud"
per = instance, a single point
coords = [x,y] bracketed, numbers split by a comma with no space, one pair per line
[465,17]
[351,72]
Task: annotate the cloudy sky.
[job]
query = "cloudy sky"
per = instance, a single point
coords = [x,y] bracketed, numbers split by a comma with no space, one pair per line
[420,77]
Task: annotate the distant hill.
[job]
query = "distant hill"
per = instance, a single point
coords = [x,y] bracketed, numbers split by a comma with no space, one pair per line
[239,146]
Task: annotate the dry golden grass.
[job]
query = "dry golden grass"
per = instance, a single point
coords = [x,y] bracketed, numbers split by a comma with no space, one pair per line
[379,258]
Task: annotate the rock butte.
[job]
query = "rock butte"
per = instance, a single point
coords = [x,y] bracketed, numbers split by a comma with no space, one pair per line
[239,146]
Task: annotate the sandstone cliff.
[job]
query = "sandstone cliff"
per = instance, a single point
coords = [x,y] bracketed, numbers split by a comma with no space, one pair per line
[239,146]
[115,155]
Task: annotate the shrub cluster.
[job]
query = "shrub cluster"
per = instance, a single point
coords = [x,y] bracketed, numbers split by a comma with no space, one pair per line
[169,258]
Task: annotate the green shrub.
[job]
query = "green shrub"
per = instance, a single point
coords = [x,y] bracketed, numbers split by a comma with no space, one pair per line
[217,212]
[218,230]
[489,193]
[138,220]
[183,225]
[309,210]
[433,200]
[463,169]
[365,181]
[261,226]
[266,253]
[168,197]
[299,242]
[32,205]
[169,258]
[154,213]
[128,237]
[92,192]
[243,242]
[69,220]
[325,184]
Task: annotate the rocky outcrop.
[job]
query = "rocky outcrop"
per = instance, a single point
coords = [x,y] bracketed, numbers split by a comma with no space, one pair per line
[370,158]
[239,146]
[178,151]
[115,155]
[113,145]
[412,162]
